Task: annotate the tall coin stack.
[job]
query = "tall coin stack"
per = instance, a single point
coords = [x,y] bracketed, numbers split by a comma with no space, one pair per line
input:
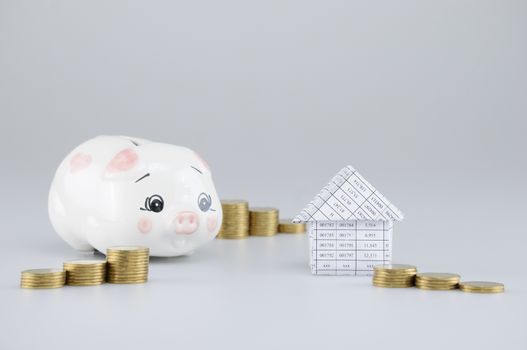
[127,264]
[394,276]
[85,272]
[437,281]
[235,224]
[43,278]
[263,221]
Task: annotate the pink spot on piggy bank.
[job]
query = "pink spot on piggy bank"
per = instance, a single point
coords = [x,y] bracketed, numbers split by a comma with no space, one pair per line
[212,223]
[79,162]
[144,225]
[137,192]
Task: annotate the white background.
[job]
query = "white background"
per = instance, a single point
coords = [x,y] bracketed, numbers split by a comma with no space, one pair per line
[425,99]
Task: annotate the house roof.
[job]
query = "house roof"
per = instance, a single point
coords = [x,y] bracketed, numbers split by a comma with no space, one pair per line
[348,196]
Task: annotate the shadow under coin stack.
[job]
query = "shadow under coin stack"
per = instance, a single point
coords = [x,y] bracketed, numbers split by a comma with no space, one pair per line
[288,226]
[235,224]
[127,264]
[437,281]
[394,276]
[263,221]
[43,278]
[85,272]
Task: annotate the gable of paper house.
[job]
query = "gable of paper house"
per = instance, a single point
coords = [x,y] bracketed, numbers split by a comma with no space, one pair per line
[349,196]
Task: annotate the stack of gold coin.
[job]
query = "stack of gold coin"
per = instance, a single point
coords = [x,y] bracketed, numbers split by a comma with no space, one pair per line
[394,276]
[43,278]
[235,224]
[127,264]
[85,272]
[288,226]
[481,287]
[436,281]
[263,221]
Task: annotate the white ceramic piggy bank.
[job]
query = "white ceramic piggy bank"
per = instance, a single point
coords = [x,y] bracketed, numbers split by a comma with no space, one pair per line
[117,190]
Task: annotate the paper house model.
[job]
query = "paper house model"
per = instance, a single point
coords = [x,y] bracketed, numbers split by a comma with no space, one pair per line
[350,226]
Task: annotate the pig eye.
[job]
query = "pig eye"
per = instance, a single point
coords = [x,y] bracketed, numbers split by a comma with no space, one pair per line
[204,201]
[154,203]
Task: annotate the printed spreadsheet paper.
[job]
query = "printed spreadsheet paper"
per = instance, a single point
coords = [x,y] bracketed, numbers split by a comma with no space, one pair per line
[349,247]
[350,226]
[348,196]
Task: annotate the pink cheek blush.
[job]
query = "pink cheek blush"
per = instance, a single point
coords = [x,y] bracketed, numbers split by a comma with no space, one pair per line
[79,162]
[144,225]
[212,222]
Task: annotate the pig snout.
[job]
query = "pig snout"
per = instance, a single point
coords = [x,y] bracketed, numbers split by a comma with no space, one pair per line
[186,222]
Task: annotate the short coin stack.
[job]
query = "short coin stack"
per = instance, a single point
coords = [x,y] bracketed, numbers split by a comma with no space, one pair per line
[288,226]
[85,272]
[394,276]
[437,281]
[481,287]
[263,221]
[235,223]
[127,264]
[43,278]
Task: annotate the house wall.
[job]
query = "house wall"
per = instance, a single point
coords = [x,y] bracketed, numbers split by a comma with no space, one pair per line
[349,247]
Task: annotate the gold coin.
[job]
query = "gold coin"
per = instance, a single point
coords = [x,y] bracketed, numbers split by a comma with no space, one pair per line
[482,287]
[438,276]
[395,269]
[84,268]
[56,280]
[126,275]
[436,287]
[85,263]
[83,274]
[393,276]
[114,260]
[392,285]
[127,281]
[406,280]
[43,277]
[41,286]
[380,283]
[126,271]
[72,282]
[128,257]
[129,254]
[112,265]
[87,273]
[42,282]
[138,276]
[43,272]
[86,277]
[84,284]
[431,283]
[288,226]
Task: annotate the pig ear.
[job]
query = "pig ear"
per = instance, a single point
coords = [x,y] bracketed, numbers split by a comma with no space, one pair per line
[123,161]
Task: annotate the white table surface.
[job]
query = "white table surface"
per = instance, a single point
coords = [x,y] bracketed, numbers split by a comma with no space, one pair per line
[256,293]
